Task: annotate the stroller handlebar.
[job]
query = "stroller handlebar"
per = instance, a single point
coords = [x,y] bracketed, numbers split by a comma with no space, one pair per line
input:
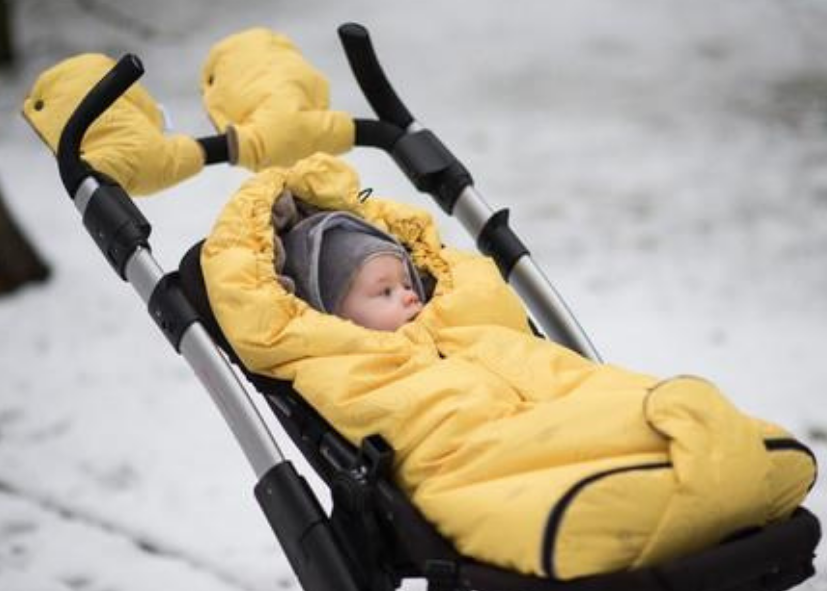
[72,169]
[371,78]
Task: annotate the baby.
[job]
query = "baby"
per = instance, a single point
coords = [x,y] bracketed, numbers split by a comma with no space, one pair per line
[342,265]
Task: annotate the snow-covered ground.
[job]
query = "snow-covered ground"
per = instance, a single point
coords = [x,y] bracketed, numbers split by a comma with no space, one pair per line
[665,160]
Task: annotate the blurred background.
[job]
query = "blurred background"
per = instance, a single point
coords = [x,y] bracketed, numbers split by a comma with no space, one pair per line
[665,161]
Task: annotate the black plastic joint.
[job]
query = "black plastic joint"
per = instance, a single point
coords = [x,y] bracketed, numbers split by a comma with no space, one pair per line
[442,575]
[499,241]
[303,530]
[377,456]
[431,167]
[289,504]
[116,224]
[171,309]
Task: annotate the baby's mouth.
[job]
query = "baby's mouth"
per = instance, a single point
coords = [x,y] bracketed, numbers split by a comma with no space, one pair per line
[416,310]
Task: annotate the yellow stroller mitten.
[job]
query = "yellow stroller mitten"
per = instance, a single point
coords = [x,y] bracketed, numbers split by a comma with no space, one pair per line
[127,142]
[272,104]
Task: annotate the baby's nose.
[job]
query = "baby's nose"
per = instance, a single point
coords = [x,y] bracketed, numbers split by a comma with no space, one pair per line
[410,297]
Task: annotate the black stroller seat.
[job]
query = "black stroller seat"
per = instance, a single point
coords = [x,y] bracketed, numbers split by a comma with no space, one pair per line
[386,539]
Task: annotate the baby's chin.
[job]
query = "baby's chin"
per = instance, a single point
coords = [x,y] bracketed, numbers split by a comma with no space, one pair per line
[397,325]
[387,327]
[410,319]
[391,326]
[417,311]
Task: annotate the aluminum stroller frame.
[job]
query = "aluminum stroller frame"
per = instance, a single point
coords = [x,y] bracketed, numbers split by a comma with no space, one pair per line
[374,537]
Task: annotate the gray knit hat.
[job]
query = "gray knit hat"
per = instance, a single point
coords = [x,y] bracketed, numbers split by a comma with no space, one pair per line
[324,252]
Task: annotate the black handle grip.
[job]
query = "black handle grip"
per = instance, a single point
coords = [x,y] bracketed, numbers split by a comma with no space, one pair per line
[377,134]
[216,149]
[371,78]
[122,75]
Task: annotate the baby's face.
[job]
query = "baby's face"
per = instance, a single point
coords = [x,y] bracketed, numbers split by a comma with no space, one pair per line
[381,296]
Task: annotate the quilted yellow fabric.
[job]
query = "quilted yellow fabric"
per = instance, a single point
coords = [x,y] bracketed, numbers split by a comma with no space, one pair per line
[273,105]
[127,142]
[523,453]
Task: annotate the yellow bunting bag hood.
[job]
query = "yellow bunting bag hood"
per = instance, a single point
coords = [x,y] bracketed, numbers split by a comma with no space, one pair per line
[523,453]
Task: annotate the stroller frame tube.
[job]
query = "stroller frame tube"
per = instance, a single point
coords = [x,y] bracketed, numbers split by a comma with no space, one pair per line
[232,399]
[143,273]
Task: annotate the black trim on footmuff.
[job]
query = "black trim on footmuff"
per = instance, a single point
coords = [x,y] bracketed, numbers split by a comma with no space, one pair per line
[789,444]
[556,516]
[559,510]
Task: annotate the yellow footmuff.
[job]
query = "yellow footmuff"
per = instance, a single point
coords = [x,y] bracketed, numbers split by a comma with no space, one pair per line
[521,452]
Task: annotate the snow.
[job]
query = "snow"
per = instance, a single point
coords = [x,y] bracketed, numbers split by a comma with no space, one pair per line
[665,161]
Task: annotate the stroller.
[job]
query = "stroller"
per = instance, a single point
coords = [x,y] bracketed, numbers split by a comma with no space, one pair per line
[374,538]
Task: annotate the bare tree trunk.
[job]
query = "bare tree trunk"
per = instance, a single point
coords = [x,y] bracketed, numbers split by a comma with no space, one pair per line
[19,262]
[6,40]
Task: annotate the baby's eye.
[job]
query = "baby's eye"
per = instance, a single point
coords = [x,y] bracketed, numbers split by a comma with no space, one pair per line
[387,292]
